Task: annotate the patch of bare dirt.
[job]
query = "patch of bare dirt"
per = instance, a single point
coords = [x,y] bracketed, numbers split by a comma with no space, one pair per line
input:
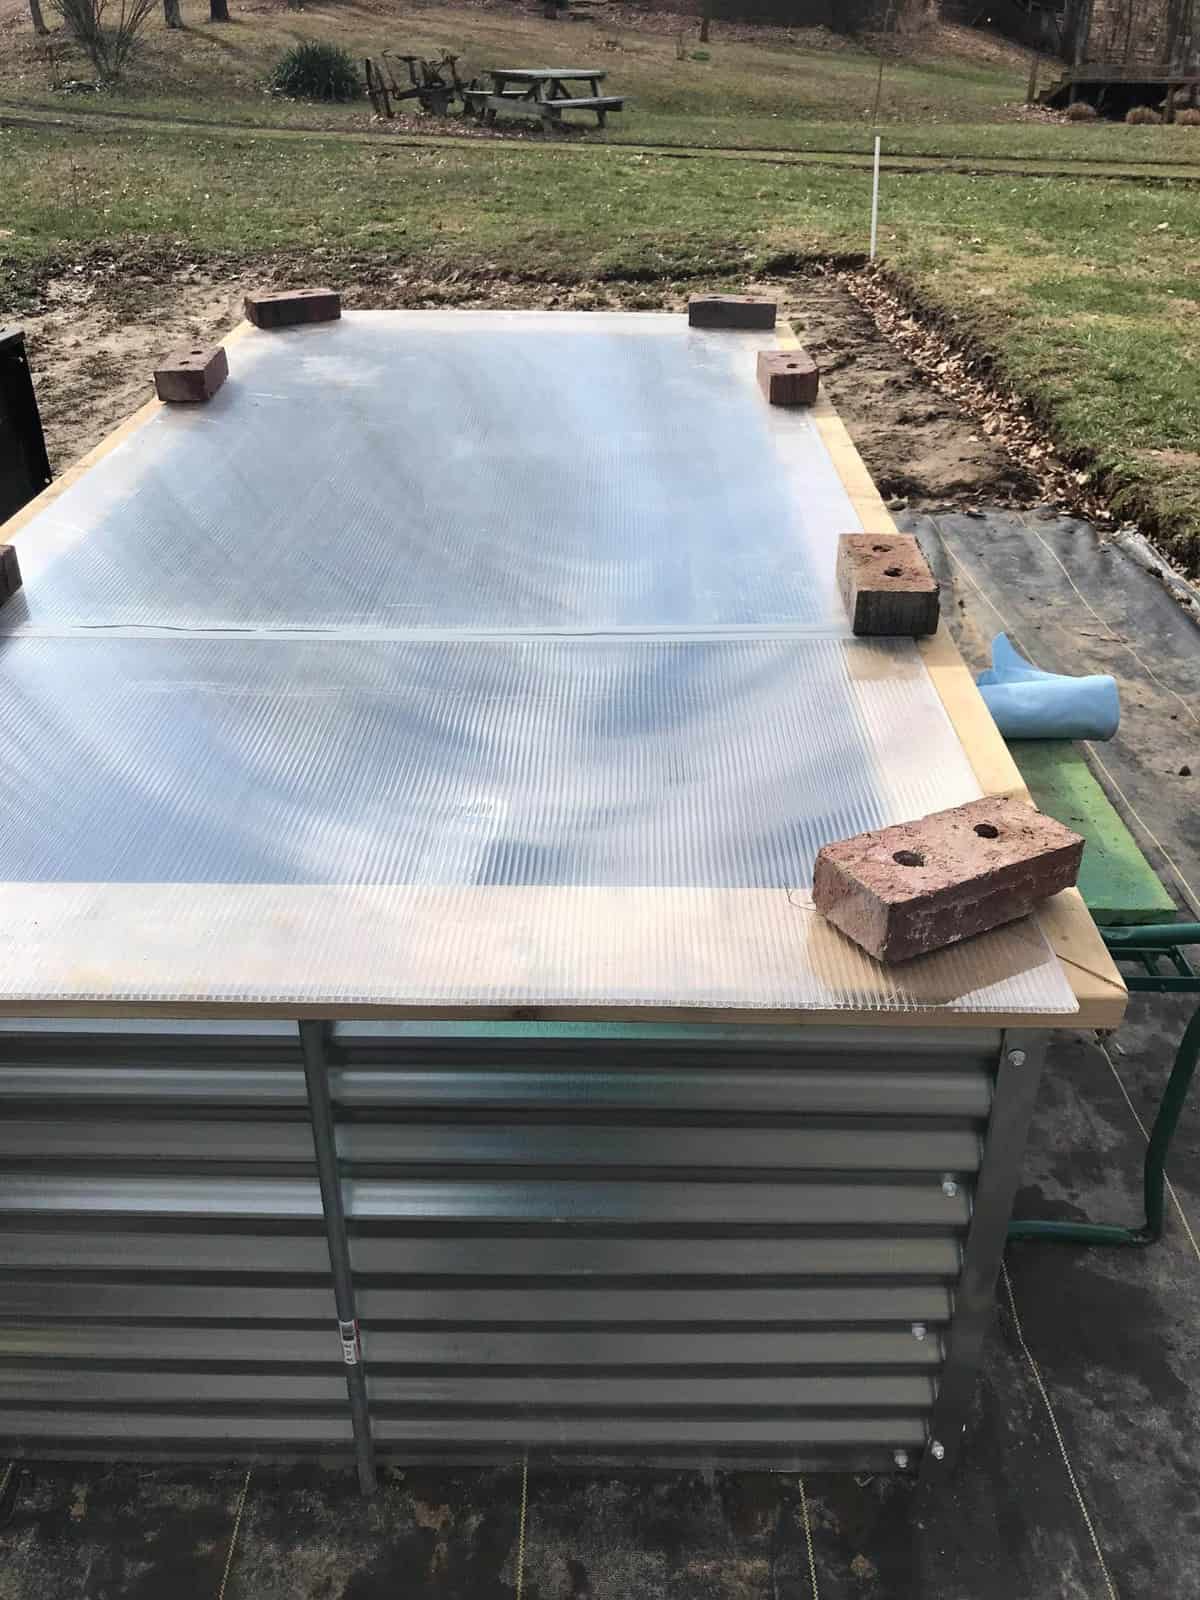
[920,443]
[956,373]
[923,36]
[97,326]
[94,339]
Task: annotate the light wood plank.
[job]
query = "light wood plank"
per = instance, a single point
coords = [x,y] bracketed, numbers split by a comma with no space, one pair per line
[1094,977]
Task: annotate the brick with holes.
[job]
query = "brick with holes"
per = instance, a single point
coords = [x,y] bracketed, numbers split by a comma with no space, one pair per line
[192,375]
[903,891]
[286,307]
[788,377]
[886,585]
[730,311]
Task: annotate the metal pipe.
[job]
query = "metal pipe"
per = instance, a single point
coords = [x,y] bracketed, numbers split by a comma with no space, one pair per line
[316,1078]
[1018,1072]
[1150,943]
[1153,1169]
[1169,1110]
[1153,936]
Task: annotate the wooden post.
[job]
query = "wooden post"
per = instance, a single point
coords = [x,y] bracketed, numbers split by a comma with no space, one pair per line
[1031,88]
[1083,32]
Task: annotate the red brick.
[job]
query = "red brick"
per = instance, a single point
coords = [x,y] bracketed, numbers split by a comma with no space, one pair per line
[906,890]
[788,377]
[886,585]
[191,376]
[730,311]
[10,572]
[287,307]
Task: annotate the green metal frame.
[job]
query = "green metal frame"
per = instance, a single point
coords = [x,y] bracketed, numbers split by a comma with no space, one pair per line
[1148,949]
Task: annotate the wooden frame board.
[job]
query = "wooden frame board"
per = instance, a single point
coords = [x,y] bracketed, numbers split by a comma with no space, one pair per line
[729,933]
[1095,979]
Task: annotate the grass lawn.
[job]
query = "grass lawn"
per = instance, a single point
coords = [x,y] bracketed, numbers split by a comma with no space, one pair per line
[746,86]
[1085,289]
[759,93]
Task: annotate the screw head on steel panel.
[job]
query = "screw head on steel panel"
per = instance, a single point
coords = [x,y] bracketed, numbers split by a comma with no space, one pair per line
[918,1330]
[1016,1058]
[949,1188]
[937,1450]
[901,1459]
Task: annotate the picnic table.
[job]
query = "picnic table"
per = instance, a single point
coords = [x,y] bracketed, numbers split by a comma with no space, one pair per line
[544,92]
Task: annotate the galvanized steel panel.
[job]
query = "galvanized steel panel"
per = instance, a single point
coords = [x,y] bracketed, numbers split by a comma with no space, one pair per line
[603,1250]
[33,1386]
[475,1302]
[25,1141]
[576,1259]
[628,1203]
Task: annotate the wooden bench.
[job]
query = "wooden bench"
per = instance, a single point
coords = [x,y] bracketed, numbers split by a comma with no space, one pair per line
[601,104]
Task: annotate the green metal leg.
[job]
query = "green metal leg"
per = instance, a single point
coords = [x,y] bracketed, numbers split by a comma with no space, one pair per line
[1143,944]
[1171,1105]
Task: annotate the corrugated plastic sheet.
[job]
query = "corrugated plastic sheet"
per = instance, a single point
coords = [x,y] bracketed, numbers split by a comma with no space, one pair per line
[462,659]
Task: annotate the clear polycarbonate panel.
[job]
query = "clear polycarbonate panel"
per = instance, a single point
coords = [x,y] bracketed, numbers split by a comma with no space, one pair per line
[715,764]
[463,661]
[467,822]
[455,469]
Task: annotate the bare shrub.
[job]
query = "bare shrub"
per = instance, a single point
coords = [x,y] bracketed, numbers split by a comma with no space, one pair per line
[1143,116]
[107,30]
[1081,111]
[1188,118]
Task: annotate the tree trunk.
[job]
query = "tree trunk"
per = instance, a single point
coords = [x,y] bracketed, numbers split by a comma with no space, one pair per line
[1083,31]
[218,10]
[705,19]
[39,22]
[1032,86]
[171,14]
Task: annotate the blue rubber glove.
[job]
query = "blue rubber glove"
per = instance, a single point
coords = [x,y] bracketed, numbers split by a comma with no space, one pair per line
[1027,703]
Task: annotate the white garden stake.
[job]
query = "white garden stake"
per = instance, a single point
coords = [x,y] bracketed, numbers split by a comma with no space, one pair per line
[875,199]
